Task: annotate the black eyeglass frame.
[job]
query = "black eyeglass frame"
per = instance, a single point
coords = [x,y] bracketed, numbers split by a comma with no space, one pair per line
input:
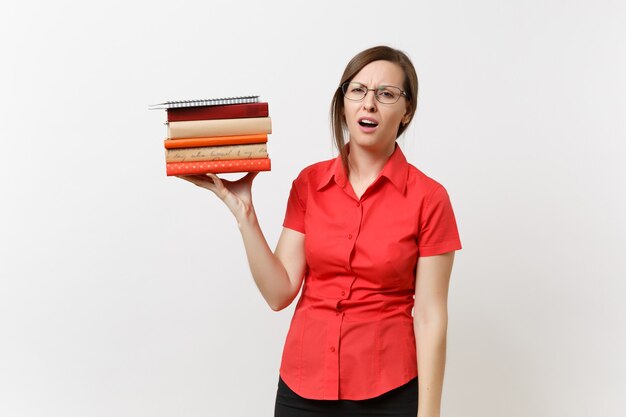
[347,83]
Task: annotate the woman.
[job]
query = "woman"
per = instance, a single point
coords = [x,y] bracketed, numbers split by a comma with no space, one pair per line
[372,240]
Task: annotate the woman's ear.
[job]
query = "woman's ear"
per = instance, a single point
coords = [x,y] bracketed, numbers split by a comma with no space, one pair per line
[407,115]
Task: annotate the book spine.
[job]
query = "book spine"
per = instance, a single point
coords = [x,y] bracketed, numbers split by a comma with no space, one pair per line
[216,167]
[216,153]
[213,141]
[219,127]
[235,111]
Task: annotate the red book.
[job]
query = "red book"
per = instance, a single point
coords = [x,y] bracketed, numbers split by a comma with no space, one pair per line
[216,167]
[231,111]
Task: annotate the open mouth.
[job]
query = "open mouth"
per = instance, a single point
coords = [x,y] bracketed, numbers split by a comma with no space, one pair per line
[367,123]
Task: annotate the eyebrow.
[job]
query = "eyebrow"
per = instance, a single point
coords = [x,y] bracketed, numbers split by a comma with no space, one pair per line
[378,88]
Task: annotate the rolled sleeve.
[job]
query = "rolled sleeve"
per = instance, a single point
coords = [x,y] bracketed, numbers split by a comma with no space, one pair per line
[438,229]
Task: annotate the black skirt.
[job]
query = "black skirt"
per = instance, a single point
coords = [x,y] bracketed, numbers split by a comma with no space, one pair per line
[399,402]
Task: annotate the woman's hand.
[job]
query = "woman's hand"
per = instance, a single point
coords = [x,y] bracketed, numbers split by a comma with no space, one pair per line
[237,195]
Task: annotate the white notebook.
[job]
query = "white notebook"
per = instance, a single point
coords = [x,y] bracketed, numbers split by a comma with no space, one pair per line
[205,102]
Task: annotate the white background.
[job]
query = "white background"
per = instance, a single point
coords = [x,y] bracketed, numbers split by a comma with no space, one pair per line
[126,293]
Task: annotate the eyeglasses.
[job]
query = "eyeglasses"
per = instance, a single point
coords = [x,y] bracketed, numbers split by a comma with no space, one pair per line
[385,94]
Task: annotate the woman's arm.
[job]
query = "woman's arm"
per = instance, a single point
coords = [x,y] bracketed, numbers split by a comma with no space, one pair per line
[278,275]
[430,323]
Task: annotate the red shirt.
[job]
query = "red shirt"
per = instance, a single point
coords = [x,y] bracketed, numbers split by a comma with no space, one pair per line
[351,336]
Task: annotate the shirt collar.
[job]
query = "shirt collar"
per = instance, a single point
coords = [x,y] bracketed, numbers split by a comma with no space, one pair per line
[395,170]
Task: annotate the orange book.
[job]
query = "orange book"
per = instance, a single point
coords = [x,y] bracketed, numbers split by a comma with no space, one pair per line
[214,141]
[216,167]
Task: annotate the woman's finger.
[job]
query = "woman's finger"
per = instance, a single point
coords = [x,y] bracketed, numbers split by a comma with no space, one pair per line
[220,184]
[250,176]
[200,181]
[217,180]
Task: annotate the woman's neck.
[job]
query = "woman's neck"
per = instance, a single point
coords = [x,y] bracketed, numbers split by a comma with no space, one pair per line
[366,165]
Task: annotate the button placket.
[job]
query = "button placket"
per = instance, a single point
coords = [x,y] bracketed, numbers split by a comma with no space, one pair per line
[333,340]
[358,219]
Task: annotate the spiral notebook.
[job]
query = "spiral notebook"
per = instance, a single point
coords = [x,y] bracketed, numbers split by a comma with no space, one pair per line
[205,102]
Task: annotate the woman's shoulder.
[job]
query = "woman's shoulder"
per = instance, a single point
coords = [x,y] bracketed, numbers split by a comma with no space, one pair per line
[316,172]
[418,179]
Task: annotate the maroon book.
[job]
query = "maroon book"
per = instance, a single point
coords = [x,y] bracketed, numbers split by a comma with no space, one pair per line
[230,111]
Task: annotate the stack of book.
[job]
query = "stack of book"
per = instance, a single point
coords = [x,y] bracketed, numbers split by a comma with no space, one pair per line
[216,136]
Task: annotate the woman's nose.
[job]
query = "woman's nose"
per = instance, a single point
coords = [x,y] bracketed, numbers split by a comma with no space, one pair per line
[369,101]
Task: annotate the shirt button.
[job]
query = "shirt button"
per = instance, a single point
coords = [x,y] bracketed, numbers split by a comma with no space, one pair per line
[358,204]
[343,293]
[332,348]
[350,236]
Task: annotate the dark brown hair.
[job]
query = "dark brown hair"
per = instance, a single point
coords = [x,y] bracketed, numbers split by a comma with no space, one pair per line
[356,64]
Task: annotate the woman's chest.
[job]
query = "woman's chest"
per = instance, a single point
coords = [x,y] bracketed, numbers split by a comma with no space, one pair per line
[376,236]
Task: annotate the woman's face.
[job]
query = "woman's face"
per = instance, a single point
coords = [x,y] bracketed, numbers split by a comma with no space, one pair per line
[374,125]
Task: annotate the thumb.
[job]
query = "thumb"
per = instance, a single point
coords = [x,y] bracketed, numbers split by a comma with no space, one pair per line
[250,176]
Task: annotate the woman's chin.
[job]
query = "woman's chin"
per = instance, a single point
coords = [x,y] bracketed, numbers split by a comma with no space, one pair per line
[371,143]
